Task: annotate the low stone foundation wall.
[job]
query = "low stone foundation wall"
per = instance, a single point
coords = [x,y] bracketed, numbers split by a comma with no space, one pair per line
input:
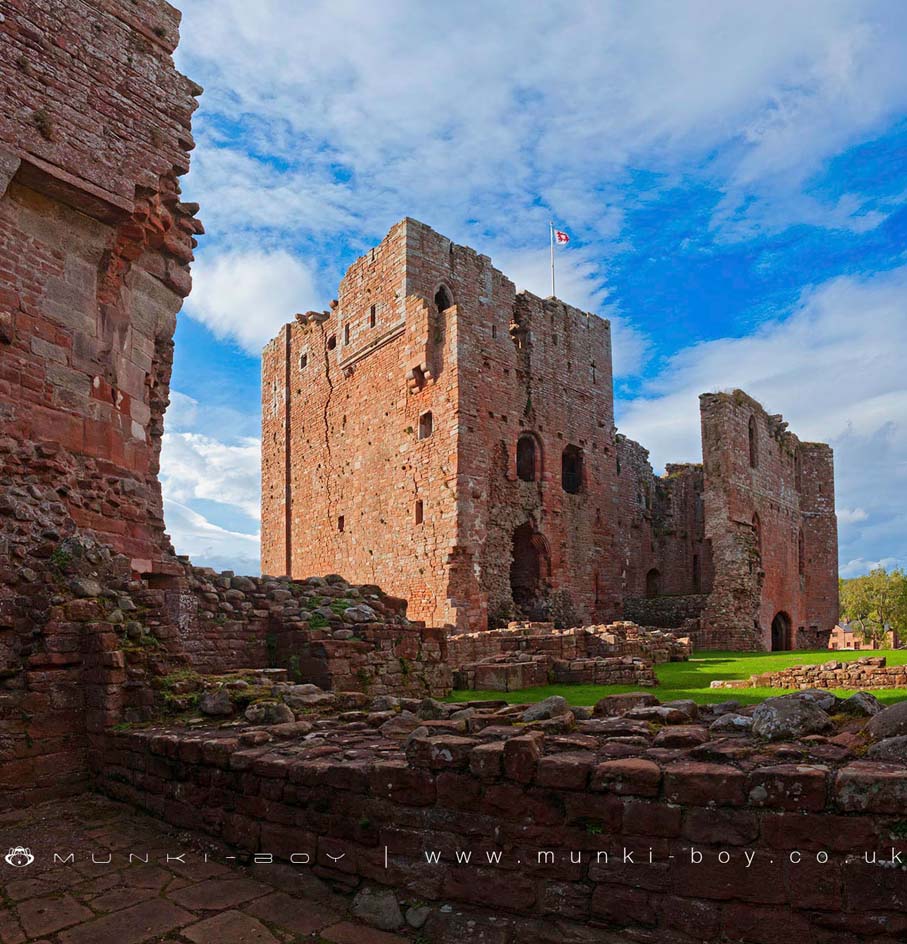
[870,672]
[605,641]
[611,829]
[508,673]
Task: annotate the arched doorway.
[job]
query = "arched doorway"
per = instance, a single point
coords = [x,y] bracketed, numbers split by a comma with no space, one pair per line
[529,570]
[653,583]
[781,632]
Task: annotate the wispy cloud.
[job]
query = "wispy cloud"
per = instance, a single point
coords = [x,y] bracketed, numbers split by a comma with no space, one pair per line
[246,295]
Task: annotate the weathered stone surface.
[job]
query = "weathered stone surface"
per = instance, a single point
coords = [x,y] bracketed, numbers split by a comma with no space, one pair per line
[269,712]
[789,716]
[731,724]
[216,703]
[378,907]
[891,722]
[546,708]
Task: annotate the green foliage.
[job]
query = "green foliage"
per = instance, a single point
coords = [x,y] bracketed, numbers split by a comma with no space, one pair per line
[876,603]
[691,679]
[60,559]
[317,621]
[294,669]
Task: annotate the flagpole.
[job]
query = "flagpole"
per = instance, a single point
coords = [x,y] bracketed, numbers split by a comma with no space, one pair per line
[551,235]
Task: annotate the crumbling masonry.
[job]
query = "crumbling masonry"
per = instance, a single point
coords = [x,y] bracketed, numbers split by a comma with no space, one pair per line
[125,669]
[452,439]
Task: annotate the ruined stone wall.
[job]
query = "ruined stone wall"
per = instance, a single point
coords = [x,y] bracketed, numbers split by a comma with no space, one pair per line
[770,518]
[363,809]
[94,248]
[432,516]
[662,528]
[873,672]
[349,419]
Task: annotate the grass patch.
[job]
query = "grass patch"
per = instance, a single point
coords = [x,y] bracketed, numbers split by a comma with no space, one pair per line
[691,679]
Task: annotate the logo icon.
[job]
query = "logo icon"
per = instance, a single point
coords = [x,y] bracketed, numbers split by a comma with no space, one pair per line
[19,857]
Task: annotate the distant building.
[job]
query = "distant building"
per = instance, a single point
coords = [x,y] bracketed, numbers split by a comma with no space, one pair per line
[847,636]
[451,439]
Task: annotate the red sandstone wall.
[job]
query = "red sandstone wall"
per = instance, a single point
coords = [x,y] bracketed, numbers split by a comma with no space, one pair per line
[94,247]
[758,571]
[353,428]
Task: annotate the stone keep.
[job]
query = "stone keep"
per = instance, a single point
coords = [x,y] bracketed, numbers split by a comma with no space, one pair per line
[451,439]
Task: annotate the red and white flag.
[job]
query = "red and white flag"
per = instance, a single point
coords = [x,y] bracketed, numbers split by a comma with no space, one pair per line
[561,238]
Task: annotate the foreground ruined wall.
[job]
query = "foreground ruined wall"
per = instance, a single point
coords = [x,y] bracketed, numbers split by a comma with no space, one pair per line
[96,612]
[529,824]
[95,245]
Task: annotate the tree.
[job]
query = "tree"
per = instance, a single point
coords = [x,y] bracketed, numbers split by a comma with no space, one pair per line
[876,603]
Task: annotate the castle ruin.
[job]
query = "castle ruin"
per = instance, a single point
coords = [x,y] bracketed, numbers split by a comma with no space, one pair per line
[452,439]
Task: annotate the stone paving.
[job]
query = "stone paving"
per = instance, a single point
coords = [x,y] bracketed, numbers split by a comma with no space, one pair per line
[187,892]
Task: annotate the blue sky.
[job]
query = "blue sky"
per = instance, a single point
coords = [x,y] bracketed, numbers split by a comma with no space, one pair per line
[733,177]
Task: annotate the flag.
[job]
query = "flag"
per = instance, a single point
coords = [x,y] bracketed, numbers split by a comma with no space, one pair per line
[561,238]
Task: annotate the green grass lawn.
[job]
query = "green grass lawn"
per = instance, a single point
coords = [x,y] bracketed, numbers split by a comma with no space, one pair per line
[691,679]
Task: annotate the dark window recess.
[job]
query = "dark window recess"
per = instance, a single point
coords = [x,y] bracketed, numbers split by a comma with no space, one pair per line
[346,334]
[754,443]
[332,342]
[653,583]
[572,469]
[526,459]
[373,316]
[426,425]
[443,300]
[420,512]
[341,523]
[303,361]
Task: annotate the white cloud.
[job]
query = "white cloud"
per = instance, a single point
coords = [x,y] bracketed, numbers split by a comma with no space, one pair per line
[247,295]
[851,515]
[208,544]
[425,110]
[194,466]
[834,367]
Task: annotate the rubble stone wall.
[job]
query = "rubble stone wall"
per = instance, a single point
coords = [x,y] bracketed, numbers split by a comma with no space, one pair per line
[370,811]
[872,672]
[614,639]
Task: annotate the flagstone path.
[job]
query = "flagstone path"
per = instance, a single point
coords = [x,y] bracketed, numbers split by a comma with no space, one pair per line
[180,900]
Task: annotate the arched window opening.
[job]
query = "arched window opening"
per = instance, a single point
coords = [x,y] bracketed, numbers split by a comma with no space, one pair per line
[303,360]
[332,342]
[653,583]
[572,469]
[373,316]
[798,473]
[801,554]
[419,511]
[443,300]
[527,458]
[426,425]
[754,443]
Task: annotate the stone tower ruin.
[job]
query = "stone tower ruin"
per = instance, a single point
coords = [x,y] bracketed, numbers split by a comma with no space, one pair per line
[442,435]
